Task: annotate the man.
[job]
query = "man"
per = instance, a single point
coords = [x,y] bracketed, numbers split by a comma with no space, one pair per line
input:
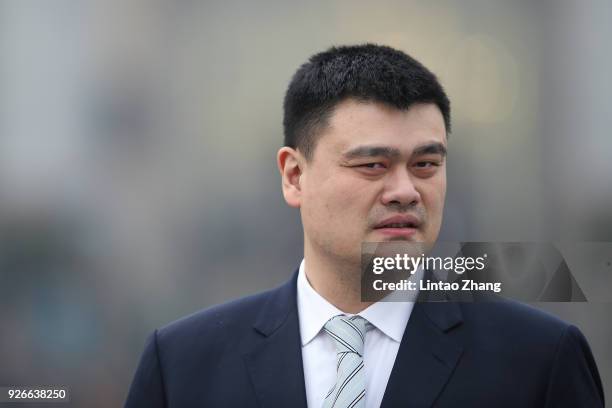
[364,160]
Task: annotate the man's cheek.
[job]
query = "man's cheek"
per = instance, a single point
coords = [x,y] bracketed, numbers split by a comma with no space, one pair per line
[344,210]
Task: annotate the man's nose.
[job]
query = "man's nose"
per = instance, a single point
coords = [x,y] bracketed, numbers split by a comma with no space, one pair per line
[400,189]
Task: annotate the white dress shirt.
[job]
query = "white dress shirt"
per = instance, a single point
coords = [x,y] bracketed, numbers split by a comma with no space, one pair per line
[383,336]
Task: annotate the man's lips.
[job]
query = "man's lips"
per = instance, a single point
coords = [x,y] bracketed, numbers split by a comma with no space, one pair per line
[399,221]
[399,226]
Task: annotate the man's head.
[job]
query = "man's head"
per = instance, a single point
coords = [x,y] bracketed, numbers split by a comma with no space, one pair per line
[365,144]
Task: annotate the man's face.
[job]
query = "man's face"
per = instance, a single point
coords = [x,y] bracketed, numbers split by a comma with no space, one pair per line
[377,174]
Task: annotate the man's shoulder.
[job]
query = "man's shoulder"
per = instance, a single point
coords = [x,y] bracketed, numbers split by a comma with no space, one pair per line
[513,312]
[233,315]
[229,328]
[512,321]
[505,336]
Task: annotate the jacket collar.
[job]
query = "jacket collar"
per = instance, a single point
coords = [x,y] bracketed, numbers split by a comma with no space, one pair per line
[275,363]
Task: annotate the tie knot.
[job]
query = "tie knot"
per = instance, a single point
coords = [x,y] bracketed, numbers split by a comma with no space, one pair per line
[348,333]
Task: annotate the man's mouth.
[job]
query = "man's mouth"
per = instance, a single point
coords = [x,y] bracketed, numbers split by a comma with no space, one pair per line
[399,226]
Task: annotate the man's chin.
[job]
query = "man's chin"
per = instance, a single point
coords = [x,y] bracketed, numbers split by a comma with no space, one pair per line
[391,247]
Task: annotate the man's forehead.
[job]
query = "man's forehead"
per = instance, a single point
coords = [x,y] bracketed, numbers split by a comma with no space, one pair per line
[353,111]
[356,123]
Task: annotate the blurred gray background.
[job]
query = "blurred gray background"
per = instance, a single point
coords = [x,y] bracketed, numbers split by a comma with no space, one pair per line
[137,157]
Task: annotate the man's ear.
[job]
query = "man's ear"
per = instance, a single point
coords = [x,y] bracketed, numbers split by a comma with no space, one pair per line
[290,163]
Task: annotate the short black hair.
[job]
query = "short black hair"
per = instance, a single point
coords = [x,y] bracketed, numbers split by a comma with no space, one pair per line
[369,73]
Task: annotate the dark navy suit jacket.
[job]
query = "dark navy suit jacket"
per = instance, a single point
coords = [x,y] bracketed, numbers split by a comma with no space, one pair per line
[247,353]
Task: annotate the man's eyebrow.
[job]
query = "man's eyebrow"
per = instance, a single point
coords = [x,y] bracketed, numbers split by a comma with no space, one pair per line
[371,151]
[392,152]
[432,148]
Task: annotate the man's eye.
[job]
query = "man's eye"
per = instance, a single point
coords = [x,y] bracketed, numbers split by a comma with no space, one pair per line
[373,165]
[427,164]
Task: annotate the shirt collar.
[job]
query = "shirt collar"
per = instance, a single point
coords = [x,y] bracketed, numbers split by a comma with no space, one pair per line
[390,317]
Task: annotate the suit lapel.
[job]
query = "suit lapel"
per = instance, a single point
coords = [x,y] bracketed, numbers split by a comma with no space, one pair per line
[425,361]
[275,364]
[426,357]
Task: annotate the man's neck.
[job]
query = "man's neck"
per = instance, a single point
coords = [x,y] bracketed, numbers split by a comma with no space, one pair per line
[340,285]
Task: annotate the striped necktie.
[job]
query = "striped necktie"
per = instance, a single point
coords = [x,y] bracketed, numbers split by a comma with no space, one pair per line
[348,334]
